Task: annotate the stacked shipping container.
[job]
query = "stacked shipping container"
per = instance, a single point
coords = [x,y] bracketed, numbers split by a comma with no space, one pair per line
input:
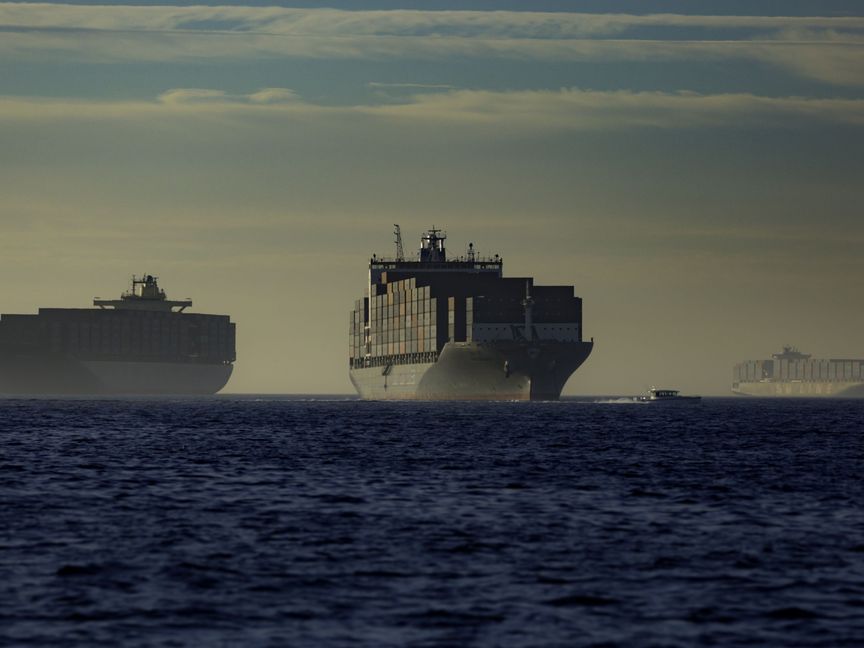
[410,316]
[400,322]
[837,370]
[124,335]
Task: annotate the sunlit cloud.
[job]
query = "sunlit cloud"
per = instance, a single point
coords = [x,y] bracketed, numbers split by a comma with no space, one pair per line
[827,49]
[192,95]
[274,96]
[559,110]
[187,96]
[591,110]
[426,86]
[333,22]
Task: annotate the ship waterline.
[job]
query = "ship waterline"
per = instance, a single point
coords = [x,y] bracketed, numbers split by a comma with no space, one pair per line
[801,389]
[475,371]
[24,374]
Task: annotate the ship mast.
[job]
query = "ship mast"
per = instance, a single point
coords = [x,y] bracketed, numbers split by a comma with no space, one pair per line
[400,251]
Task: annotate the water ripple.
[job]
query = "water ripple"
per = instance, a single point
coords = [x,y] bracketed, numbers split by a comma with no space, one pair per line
[331,522]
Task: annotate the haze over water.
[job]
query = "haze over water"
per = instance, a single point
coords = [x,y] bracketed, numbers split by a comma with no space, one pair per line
[308,522]
[693,169]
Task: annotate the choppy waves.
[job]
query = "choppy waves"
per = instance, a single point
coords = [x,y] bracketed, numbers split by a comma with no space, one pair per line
[270,522]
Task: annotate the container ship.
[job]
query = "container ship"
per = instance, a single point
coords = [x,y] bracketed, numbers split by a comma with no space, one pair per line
[142,343]
[434,328]
[795,374]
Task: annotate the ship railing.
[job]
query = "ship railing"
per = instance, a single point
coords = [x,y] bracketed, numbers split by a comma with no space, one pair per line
[460,262]
[397,359]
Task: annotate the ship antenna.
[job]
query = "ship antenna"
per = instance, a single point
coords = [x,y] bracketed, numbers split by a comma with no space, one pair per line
[400,251]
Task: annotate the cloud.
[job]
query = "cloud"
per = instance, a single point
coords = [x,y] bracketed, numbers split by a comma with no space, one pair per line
[827,49]
[274,96]
[572,109]
[185,96]
[333,22]
[192,95]
[518,111]
[836,64]
[430,86]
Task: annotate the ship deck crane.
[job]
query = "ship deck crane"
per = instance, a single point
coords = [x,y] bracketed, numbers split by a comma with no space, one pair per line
[400,251]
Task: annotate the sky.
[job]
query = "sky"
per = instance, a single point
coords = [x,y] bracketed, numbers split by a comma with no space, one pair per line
[694,169]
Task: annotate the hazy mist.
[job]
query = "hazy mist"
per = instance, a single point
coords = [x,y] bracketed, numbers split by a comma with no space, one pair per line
[703,197]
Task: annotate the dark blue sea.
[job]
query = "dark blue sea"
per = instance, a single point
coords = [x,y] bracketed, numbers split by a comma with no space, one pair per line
[242,521]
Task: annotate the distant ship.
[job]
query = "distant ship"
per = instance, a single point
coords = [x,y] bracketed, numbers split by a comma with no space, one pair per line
[138,344]
[434,328]
[792,373]
[655,395]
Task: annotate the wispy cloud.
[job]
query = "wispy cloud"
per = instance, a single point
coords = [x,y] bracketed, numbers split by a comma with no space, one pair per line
[187,96]
[429,86]
[560,110]
[332,22]
[192,95]
[590,110]
[827,49]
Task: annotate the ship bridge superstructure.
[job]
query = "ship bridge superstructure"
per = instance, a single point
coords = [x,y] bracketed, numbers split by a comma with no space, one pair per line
[790,353]
[144,294]
[432,258]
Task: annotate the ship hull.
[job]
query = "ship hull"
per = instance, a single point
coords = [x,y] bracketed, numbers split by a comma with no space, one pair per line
[478,371]
[46,374]
[801,389]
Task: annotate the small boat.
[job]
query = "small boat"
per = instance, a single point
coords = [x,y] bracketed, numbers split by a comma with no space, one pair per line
[655,395]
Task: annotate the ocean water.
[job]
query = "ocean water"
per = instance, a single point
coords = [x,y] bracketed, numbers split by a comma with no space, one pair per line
[232,521]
